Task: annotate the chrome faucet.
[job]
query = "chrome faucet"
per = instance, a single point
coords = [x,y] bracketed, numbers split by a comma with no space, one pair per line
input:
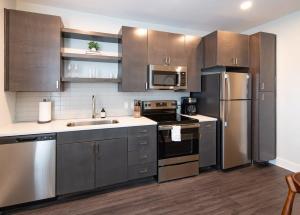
[93,107]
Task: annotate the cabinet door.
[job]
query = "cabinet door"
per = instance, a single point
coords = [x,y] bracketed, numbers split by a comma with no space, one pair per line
[134,52]
[111,162]
[267,73]
[75,167]
[207,144]
[267,126]
[32,51]
[158,44]
[194,53]
[176,50]
[226,48]
[242,50]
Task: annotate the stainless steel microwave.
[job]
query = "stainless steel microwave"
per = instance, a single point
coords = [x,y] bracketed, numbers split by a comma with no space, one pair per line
[162,77]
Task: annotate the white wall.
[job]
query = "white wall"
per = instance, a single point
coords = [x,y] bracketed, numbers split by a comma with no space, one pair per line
[288,88]
[7,100]
[75,101]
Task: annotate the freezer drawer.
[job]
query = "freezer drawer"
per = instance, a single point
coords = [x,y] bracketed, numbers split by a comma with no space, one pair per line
[236,130]
[27,170]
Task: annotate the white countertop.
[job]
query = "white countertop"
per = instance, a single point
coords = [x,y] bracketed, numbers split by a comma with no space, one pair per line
[26,128]
[202,118]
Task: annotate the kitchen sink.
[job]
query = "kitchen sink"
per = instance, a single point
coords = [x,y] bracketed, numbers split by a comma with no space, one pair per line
[100,122]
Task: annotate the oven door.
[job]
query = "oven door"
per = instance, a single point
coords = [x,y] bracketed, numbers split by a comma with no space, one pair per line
[189,144]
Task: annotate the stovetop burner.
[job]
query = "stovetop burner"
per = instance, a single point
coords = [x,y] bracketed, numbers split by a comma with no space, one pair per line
[171,119]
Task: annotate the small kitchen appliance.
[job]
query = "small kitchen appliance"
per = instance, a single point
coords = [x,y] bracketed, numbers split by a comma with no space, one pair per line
[188,106]
[163,77]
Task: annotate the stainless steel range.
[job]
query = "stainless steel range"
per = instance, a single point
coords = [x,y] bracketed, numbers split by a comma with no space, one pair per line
[178,140]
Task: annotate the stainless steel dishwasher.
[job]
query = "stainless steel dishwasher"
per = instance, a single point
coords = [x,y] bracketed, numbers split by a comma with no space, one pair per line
[27,168]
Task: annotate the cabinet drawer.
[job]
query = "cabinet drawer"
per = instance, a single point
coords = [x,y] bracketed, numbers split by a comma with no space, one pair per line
[208,125]
[140,142]
[149,130]
[142,171]
[142,156]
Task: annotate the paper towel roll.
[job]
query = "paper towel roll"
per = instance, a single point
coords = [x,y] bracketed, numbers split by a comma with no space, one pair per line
[44,112]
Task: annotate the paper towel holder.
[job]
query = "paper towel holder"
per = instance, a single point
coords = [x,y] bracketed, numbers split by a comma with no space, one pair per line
[45,112]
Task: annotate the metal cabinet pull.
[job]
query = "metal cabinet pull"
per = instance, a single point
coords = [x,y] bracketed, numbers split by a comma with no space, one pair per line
[144,157]
[57,84]
[166,60]
[143,171]
[144,143]
[143,131]
[169,60]
[263,85]
[263,97]
[146,85]
[236,61]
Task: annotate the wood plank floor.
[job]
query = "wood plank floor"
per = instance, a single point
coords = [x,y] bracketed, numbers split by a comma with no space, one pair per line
[250,190]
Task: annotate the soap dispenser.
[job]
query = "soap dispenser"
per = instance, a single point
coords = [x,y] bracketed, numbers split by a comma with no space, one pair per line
[102,113]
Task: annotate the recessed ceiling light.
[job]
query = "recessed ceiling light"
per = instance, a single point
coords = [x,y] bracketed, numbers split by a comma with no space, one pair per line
[246,5]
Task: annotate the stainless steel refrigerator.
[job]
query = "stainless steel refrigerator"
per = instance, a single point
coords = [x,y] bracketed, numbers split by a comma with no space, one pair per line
[227,96]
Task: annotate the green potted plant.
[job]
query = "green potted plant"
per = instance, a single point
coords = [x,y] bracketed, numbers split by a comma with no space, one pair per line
[93,46]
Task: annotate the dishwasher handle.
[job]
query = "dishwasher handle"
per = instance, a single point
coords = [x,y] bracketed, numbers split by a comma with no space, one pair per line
[26,139]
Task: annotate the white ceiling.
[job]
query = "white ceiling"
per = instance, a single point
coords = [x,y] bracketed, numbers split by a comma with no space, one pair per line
[206,15]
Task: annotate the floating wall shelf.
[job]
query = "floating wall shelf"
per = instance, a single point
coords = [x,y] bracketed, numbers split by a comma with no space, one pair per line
[90,35]
[88,57]
[91,80]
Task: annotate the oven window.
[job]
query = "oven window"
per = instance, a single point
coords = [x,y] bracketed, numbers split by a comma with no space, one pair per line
[189,144]
[162,78]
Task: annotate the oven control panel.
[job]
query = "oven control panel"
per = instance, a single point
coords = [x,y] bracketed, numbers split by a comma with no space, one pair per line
[164,104]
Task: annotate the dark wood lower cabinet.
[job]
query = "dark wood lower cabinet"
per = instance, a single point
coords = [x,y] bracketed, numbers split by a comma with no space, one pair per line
[75,167]
[207,144]
[264,127]
[92,159]
[111,162]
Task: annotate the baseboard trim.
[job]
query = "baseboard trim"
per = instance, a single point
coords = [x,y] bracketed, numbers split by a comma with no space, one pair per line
[286,164]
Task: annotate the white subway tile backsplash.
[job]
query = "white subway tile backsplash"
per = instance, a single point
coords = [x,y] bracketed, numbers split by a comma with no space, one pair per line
[76,101]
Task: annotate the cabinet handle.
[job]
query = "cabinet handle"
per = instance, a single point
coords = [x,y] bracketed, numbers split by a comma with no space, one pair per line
[236,61]
[146,86]
[166,60]
[143,143]
[143,171]
[263,97]
[144,157]
[169,60]
[57,84]
[263,85]
[143,131]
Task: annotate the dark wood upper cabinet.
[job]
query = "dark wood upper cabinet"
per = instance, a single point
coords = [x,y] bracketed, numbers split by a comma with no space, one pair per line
[166,48]
[229,49]
[32,51]
[263,61]
[194,54]
[134,52]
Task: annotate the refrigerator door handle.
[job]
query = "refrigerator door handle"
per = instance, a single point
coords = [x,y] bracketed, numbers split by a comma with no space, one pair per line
[227,84]
[226,111]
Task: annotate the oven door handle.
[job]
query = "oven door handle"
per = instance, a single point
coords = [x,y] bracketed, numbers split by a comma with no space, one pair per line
[183,126]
